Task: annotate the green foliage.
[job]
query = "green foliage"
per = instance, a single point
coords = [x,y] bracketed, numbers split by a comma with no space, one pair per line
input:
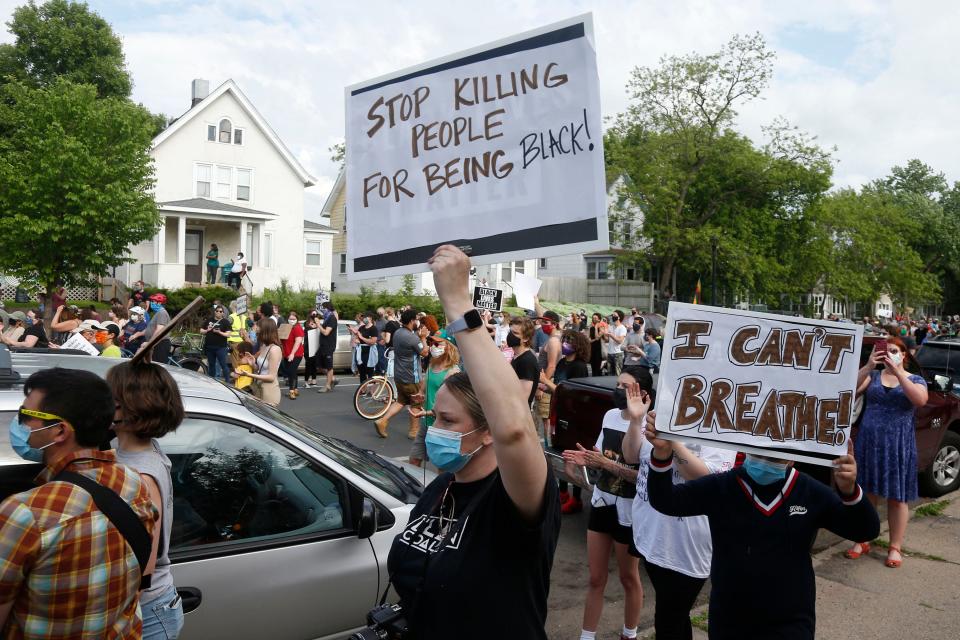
[75,182]
[409,283]
[931,509]
[65,40]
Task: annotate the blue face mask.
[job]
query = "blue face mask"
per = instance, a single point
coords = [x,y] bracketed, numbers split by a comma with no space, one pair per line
[20,440]
[443,449]
[154,306]
[764,471]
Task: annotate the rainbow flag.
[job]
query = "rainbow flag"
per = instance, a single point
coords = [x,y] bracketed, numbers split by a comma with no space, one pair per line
[697,296]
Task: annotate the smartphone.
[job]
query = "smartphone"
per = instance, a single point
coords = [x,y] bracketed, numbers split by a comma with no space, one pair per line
[880,346]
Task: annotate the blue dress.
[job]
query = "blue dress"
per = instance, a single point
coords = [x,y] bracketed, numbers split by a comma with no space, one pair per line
[886,445]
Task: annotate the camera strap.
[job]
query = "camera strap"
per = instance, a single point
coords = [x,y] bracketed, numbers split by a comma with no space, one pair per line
[461,520]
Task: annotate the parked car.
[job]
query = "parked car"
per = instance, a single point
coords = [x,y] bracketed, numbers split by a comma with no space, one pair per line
[578,407]
[278,531]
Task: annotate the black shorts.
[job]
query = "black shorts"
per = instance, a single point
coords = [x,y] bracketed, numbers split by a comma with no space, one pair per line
[325,361]
[605,520]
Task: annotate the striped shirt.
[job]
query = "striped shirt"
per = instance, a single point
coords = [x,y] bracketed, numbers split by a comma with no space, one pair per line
[68,570]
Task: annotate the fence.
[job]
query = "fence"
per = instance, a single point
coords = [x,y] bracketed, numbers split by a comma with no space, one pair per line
[9,286]
[614,293]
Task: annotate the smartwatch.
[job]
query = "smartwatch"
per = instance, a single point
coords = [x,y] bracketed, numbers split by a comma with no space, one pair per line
[471,320]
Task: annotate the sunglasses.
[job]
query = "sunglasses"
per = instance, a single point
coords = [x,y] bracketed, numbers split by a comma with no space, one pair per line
[24,414]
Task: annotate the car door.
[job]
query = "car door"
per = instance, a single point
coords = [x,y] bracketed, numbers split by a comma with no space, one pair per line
[262,543]
[341,357]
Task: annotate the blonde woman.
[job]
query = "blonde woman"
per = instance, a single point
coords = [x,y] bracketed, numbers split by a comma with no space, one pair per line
[266,363]
[444,362]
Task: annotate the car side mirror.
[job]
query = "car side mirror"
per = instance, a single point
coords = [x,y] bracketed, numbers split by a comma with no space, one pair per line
[367,525]
[944,383]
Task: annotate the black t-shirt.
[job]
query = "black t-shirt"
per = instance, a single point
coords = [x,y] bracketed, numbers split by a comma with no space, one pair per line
[391,327]
[215,340]
[567,370]
[494,558]
[367,332]
[595,345]
[328,344]
[138,298]
[36,329]
[527,368]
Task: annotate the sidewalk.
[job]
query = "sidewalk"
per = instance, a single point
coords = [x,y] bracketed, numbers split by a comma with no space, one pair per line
[865,599]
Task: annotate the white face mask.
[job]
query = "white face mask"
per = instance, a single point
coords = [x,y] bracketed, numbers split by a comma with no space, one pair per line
[896,358]
[292,320]
[436,352]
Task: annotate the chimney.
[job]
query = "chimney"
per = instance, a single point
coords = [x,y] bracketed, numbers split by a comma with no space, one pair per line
[199,89]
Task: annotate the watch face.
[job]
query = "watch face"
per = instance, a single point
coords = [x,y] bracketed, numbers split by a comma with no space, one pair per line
[474,321]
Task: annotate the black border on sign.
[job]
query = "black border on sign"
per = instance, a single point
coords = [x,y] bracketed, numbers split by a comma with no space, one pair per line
[564,34]
[546,236]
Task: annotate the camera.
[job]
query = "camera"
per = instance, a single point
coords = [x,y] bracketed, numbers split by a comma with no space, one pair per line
[386,622]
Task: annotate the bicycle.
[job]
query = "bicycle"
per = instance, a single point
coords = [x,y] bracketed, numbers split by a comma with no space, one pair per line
[372,398]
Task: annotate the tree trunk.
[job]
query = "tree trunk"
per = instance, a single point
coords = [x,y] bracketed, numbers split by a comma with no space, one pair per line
[666,275]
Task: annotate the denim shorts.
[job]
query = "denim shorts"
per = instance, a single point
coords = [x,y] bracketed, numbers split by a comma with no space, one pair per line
[162,616]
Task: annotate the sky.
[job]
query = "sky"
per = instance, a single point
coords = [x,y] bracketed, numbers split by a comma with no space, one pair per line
[877,80]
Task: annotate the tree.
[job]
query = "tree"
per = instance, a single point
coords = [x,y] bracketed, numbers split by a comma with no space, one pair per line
[64,40]
[75,182]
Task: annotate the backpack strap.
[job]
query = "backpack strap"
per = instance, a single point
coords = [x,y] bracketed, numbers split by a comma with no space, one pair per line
[120,514]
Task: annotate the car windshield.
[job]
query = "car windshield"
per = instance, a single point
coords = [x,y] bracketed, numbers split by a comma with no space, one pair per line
[361,462]
[937,359]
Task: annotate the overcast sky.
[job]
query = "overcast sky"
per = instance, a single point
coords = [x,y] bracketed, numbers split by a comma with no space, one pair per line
[879,80]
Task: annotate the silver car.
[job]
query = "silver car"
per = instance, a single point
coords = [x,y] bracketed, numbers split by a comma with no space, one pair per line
[278,532]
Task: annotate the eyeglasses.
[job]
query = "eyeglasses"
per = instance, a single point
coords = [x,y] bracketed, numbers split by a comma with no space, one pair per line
[24,414]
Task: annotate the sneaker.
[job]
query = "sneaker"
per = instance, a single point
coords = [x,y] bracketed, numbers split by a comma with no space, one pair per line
[572,505]
[308,384]
[324,390]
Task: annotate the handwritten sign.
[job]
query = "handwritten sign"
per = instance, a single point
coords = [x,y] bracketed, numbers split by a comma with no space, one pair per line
[498,148]
[79,343]
[774,385]
[241,304]
[321,298]
[484,298]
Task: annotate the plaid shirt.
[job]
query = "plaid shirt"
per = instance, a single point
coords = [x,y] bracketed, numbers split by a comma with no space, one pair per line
[68,570]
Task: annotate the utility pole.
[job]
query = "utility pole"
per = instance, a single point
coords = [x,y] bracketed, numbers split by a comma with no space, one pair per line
[713,284]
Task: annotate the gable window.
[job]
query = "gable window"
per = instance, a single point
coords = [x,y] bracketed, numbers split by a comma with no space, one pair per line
[243,184]
[343,263]
[224,175]
[212,132]
[226,129]
[203,172]
[238,136]
[313,253]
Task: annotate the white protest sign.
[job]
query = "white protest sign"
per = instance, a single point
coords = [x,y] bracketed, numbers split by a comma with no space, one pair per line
[525,288]
[313,342]
[758,382]
[77,341]
[241,305]
[321,298]
[498,149]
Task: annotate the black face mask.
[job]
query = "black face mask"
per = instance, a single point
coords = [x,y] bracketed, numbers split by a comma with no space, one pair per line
[512,340]
[620,398]
[636,328]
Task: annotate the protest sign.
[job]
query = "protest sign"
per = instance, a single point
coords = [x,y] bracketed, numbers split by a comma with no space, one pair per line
[313,342]
[321,298]
[774,385]
[485,298]
[78,342]
[499,149]
[524,289]
[241,304]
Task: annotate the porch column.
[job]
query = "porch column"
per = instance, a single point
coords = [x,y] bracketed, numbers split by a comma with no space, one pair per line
[260,241]
[181,239]
[243,240]
[160,242]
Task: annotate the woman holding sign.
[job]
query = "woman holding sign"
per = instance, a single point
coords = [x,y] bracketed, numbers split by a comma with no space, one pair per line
[886,444]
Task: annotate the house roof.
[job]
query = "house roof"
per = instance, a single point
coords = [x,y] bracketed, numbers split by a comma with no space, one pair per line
[210,205]
[332,196]
[231,86]
[309,225]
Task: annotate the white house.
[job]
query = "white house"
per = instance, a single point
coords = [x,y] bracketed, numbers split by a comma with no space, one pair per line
[224,177]
[497,276]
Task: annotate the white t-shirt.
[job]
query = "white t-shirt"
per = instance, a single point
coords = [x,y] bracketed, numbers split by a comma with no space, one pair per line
[239,264]
[500,334]
[680,544]
[611,490]
[614,347]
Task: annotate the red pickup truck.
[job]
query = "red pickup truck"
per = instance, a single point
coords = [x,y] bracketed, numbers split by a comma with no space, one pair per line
[578,407]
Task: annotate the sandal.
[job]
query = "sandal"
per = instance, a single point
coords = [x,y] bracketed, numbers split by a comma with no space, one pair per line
[894,564]
[852,552]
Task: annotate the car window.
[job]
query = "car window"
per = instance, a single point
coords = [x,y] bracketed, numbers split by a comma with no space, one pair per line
[940,359]
[342,330]
[230,484]
[354,459]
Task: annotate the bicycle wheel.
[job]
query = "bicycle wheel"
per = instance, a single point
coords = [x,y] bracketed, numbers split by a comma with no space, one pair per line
[372,398]
[191,363]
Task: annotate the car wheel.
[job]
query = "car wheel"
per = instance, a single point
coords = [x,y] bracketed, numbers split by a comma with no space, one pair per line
[943,474]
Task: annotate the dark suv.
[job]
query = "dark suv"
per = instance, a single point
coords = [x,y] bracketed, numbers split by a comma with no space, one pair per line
[579,404]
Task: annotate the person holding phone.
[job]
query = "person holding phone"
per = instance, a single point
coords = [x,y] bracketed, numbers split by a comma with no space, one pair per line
[611,515]
[886,445]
